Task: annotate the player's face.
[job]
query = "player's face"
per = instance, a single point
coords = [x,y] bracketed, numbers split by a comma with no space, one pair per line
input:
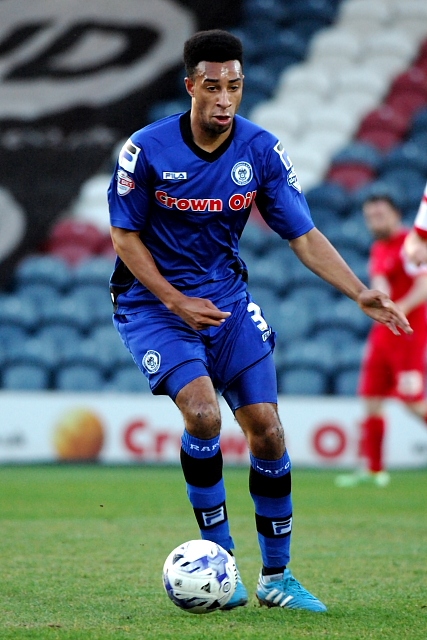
[216,91]
[381,219]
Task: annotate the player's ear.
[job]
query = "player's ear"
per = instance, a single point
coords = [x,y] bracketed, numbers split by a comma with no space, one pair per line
[189,85]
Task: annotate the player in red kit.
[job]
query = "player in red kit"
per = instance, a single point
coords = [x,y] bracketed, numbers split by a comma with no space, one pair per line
[392,366]
[416,240]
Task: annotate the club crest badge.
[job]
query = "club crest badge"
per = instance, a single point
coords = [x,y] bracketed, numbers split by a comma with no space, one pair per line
[151,361]
[242,173]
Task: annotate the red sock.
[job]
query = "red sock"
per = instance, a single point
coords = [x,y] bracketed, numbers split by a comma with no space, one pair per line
[371,442]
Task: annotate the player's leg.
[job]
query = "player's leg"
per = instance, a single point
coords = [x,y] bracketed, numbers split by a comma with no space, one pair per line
[201,458]
[377,382]
[255,408]
[173,357]
[372,430]
[201,461]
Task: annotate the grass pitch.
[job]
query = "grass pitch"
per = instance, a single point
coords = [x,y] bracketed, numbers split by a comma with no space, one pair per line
[82,549]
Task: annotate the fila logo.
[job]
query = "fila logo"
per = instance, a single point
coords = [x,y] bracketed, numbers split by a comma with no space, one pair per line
[174,175]
[282,527]
[213,517]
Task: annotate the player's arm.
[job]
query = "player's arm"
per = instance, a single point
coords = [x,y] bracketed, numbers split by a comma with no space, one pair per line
[380,282]
[318,254]
[416,241]
[416,295]
[198,313]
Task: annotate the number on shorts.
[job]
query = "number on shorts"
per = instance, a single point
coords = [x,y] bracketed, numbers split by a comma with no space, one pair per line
[257,317]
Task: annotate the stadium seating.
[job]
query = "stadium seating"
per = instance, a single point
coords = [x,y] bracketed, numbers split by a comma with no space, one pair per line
[79,377]
[25,377]
[343,85]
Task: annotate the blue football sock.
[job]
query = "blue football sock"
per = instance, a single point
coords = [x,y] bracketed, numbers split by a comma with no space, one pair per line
[201,462]
[270,488]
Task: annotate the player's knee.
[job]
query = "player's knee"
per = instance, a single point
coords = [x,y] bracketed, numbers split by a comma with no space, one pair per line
[202,420]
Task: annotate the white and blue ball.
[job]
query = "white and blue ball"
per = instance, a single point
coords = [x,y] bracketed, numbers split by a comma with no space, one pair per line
[200,576]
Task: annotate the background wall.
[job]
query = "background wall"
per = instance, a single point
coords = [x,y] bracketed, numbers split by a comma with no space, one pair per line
[76,79]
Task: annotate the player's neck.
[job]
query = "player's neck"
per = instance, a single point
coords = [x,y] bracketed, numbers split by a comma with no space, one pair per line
[206,141]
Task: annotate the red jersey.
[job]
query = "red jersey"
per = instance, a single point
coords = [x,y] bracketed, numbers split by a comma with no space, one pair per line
[387,259]
[395,365]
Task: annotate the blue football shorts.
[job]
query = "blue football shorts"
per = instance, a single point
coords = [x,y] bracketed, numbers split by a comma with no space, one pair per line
[237,355]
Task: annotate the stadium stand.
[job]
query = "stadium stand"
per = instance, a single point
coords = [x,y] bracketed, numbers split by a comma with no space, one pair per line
[350,131]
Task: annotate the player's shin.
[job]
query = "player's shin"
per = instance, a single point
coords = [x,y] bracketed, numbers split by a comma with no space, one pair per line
[201,462]
[270,488]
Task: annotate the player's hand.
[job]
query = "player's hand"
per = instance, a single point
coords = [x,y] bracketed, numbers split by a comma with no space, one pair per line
[199,313]
[377,305]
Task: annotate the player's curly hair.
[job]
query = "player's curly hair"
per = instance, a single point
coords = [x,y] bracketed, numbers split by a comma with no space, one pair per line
[214,45]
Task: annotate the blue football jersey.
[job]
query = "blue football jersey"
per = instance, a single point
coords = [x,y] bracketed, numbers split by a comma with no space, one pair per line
[191,206]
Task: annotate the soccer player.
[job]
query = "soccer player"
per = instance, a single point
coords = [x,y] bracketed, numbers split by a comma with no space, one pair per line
[179,199]
[416,240]
[391,367]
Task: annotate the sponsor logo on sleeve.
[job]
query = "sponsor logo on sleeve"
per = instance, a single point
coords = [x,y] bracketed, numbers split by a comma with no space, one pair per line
[125,183]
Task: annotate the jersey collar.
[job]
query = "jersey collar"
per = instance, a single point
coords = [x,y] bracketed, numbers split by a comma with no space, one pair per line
[187,136]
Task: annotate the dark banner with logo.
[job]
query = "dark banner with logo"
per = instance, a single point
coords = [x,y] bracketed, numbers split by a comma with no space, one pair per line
[76,78]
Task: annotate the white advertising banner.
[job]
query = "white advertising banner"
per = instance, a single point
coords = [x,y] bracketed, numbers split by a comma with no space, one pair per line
[131,428]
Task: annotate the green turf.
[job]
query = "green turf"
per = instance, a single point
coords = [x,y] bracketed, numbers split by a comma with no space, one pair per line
[82,548]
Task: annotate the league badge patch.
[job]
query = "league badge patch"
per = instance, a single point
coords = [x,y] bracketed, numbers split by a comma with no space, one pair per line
[125,183]
[242,173]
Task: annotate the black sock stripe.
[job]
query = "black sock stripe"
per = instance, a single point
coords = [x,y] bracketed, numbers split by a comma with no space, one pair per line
[274,487]
[212,517]
[274,527]
[202,472]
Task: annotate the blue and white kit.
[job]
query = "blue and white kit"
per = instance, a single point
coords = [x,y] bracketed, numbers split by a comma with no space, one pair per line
[190,208]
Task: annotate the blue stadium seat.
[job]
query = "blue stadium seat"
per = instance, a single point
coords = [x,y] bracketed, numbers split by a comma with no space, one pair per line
[346,382]
[358,152]
[309,354]
[409,155]
[328,196]
[18,312]
[11,337]
[79,377]
[63,337]
[25,377]
[69,311]
[344,316]
[303,381]
[95,271]
[106,340]
[351,356]
[89,353]
[46,269]
[129,380]
[36,351]
[293,319]
[38,293]
[419,122]
[96,299]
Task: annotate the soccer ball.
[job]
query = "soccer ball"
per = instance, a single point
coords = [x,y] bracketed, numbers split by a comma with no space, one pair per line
[199,576]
